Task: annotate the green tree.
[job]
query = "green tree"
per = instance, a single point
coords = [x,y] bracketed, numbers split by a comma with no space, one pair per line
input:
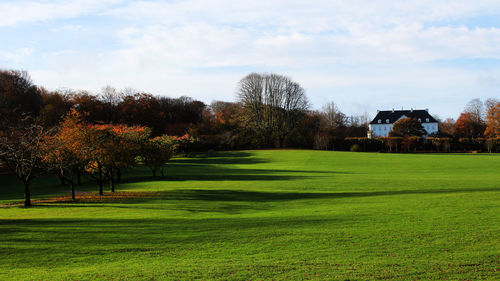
[157,151]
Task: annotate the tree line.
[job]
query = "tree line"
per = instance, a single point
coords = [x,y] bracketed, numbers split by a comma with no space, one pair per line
[71,133]
[271,111]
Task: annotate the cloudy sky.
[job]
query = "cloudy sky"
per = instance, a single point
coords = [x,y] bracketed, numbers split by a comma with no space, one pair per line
[363,55]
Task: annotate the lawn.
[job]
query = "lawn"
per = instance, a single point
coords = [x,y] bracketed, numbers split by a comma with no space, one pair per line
[270,214]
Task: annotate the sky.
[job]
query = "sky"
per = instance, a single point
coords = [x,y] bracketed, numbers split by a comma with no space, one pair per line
[363,55]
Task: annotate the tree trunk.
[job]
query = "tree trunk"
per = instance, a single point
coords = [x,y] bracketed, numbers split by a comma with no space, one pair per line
[61,178]
[162,172]
[27,197]
[154,172]
[100,180]
[101,192]
[119,175]
[78,177]
[111,180]
[72,190]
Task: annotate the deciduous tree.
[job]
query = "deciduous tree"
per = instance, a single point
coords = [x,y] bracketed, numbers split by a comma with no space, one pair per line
[157,151]
[407,127]
[274,103]
[20,152]
[493,122]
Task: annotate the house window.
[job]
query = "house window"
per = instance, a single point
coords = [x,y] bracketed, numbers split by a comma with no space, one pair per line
[426,119]
[419,120]
[387,121]
[379,121]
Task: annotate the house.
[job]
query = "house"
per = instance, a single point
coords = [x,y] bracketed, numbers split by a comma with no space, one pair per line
[381,125]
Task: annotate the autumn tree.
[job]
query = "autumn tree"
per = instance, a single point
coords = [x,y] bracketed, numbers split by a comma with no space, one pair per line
[407,127]
[493,122]
[54,106]
[119,147]
[157,151]
[447,127]
[18,96]
[20,152]
[468,127]
[60,158]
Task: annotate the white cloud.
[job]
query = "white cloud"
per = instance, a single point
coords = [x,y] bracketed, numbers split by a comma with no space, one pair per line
[22,12]
[201,48]
[16,55]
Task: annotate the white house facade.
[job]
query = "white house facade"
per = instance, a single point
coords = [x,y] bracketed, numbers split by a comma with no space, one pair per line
[382,124]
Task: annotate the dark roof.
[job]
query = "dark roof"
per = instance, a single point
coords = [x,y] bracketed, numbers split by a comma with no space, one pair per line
[394,115]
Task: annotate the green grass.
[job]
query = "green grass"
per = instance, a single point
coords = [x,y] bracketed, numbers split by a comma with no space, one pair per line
[271,214]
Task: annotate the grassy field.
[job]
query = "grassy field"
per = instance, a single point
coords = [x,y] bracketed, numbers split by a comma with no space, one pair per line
[271,214]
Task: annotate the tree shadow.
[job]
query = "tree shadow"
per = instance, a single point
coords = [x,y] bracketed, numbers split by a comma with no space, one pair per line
[257,196]
[235,201]
[221,158]
[207,172]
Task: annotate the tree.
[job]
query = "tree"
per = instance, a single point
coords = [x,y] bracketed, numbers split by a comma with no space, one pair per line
[111,99]
[493,122]
[55,106]
[274,104]
[19,97]
[119,147]
[60,158]
[407,127]
[333,116]
[157,151]
[476,109]
[20,152]
[468,127]
[447,127]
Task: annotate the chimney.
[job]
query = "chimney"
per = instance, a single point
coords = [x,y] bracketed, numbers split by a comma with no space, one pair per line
[411,110]
[427,109]
[393,110]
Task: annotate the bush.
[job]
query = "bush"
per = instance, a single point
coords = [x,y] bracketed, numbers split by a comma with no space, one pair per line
[355,148]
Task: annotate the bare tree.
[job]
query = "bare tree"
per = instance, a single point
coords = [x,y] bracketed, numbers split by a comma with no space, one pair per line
[476,109]
[274,103]
[111,99]
[490,103]
[20,152]
[333,116]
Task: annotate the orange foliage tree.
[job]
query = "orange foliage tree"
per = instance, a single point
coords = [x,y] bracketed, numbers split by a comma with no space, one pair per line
[60,158]
[493,122]
[104,149]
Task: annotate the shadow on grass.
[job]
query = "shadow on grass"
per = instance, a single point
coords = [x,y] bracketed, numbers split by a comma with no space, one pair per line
[221,158]
[254,196]
[71,238]
[229,201]
[191,172]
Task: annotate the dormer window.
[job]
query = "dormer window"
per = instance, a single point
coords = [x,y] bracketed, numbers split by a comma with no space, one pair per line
[387,121]
[426,119]
[379,121]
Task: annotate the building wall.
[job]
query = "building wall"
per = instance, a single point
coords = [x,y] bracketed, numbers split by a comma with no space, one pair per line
[431,128]
[382,130]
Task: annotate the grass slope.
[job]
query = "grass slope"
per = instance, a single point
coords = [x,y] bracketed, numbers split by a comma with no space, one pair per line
[282,214]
